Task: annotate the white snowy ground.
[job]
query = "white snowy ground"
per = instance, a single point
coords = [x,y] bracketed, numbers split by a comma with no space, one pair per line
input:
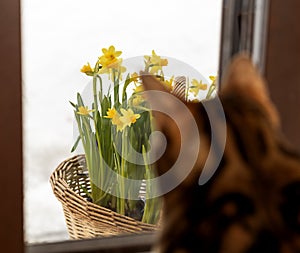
[59,36]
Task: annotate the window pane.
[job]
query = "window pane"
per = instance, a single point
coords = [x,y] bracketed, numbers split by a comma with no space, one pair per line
[59,36]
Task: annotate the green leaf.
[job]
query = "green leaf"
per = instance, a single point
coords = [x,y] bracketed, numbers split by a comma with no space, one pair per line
[79,100]
[105,104]
[124,95]
[75,144]
[74,105]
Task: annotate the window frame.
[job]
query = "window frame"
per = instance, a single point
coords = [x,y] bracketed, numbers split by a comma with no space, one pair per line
[115,244]
[11,180]
[282,15]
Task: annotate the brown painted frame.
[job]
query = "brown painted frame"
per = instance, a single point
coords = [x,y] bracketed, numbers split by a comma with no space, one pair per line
[11,180]
[282,69]
[282,64]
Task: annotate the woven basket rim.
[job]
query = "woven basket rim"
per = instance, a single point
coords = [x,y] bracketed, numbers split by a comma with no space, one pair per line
[75,204]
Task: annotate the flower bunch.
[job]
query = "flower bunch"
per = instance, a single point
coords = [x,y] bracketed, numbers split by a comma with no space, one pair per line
[115,133]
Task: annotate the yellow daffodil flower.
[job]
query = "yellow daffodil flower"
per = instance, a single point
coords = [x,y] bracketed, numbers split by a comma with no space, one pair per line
[163,62]
[115,118]
[137,100]
[134,77]
[117,122]
[139,88]
[155,63]
[87,69]
[169,83]
[109,57]
[213,79]
[115,68]
[84,110]
[105,70]
[128,117]
[197,86]
[111,112]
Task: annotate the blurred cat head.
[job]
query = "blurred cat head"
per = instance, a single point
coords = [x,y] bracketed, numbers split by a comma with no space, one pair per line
[250,201]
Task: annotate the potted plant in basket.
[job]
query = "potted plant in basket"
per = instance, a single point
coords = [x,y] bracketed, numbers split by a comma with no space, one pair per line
[114,130]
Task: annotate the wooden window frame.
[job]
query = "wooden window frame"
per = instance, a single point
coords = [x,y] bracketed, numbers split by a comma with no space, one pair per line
[125,244]
[282,60]
[11,179]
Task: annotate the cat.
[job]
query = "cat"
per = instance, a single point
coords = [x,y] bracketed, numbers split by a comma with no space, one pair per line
[251,202]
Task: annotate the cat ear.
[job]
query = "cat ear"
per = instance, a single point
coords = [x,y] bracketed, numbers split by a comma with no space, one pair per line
[151,83]
[161,97]
[161,101]
[243,78]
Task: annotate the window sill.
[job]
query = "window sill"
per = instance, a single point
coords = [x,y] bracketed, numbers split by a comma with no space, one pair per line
[126,243]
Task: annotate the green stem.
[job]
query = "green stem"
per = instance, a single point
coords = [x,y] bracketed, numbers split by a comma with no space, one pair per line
[95,92]
[123,172]
[210,91]
[152,206]
[100,90]
[116,89]
[187,89]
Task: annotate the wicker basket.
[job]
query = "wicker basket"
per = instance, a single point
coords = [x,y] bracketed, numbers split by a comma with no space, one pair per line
[85,219]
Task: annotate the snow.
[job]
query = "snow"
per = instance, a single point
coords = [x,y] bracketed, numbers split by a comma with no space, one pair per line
[59,36]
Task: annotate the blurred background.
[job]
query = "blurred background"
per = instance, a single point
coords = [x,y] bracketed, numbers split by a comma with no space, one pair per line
[59,37]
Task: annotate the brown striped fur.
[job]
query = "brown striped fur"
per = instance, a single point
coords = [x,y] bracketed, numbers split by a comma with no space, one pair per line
[252,202]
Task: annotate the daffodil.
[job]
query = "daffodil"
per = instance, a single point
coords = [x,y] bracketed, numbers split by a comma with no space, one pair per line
[125,122]
[213,79]
[87,69]
[134,77]
[169,83]
[128,117]
[117,122]
[154,63]
[139,88]
[212,87]
[115,118]
[109,57]
[114,70]
[137,100]
[163,62]
[84,110]
[197,86]
[111,112]
[113,115]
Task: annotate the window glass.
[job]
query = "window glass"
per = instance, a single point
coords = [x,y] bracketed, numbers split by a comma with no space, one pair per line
[59,37]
